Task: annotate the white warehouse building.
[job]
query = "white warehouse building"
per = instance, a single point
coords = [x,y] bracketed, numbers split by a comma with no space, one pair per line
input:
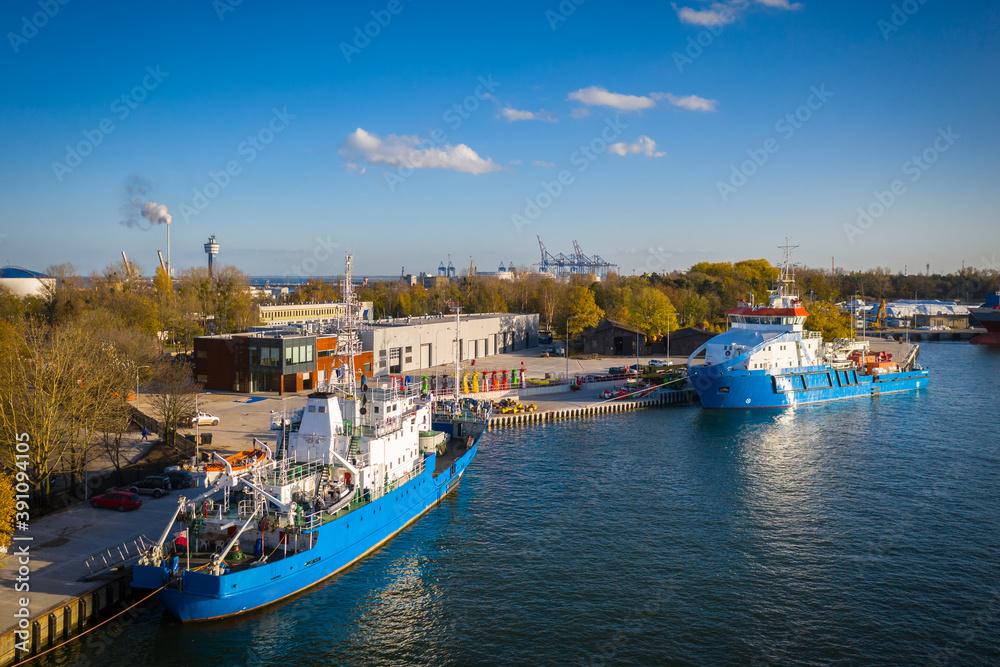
[407,344]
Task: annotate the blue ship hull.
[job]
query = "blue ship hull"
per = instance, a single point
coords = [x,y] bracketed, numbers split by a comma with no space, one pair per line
[339,544]
[719,387]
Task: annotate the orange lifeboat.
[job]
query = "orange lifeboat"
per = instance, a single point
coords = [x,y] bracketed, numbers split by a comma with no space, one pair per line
[240,461]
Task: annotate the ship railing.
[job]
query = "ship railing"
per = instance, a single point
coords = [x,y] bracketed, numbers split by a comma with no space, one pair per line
[406,477]
[249,506]
[812,334]
[292,471]
[129,550]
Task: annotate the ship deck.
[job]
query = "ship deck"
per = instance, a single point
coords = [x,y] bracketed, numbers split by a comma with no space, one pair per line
[235,560]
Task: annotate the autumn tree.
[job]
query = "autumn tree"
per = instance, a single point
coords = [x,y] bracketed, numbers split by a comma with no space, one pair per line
[651,312]
[581,310]
[8,509]
[829,320]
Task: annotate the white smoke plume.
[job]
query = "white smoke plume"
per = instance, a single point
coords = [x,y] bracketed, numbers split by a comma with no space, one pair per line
[155,213]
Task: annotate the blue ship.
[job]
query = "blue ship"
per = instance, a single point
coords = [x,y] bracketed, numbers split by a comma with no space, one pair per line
[768,360]
[343,490]
[363,463]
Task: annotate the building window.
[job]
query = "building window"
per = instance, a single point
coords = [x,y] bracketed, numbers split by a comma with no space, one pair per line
[312,408]
[368,368]
[202,378]
[322,408]
[309,353]
[409,360]
[409,348]
[381,364]
[202,354]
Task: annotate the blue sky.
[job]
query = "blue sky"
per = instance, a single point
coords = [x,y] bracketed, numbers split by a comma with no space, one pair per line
[680,132]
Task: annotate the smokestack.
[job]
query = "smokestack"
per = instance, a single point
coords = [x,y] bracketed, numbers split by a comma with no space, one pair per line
[158,215]
[212,249]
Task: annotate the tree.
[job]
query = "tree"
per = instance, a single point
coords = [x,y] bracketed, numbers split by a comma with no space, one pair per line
[171,395]
[829,320]
[234,307]
[583,310]
[56,384]
[8,508]
[651,312]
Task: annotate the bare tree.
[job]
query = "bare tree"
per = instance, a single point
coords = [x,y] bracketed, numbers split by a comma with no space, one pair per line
[172,393]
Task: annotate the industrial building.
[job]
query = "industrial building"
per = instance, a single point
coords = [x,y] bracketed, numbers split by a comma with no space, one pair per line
[281,360]
[407,344]
[330,312]
[24,282]
[302,357]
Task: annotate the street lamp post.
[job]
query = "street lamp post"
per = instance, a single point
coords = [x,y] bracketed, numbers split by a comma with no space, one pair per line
[137,384]
[566,351]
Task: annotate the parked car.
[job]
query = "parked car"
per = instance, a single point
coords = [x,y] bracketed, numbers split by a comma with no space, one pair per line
[119,500]
[154,485]
[180,479]
[658,363]
[201,419]
[546,352]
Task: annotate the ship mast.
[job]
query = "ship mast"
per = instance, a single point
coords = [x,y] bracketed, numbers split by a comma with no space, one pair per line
[458,351]
[347,339]
[787,270]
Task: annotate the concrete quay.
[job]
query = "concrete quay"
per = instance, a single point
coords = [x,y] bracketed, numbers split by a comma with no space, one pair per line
[59,598]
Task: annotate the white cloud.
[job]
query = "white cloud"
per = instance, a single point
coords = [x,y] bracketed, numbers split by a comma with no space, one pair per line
[413,152]
[719,14]
[351,166]
[580,112]
[727,11]
[514,162]
[597,96]
[542,163]
[644,146]
[780,4]
[692,102]
[511,114]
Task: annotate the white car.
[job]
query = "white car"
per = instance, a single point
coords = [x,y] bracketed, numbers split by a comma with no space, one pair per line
[658,363]
[201,419]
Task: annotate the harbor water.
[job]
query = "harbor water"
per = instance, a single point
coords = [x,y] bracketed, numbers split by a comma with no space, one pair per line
[855,532]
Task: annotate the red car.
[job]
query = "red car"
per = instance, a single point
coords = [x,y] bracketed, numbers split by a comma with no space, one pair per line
[119,500]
